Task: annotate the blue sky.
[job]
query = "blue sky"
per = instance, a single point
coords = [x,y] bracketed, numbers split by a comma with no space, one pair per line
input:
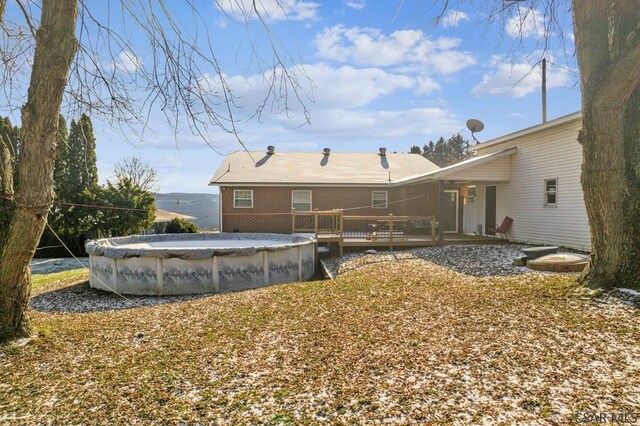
[371,74]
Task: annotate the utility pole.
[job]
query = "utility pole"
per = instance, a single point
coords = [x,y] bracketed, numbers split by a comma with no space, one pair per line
[544,90]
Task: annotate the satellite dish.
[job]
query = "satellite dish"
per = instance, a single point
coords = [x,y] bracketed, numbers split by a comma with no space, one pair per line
[475,125]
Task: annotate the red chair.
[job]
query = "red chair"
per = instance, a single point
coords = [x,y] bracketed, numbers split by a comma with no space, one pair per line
[503,228]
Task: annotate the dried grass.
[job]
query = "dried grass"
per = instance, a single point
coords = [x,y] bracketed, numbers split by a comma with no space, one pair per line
[402,342]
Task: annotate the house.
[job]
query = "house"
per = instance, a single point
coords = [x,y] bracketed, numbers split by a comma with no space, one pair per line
[258,191]
[532,175]
[543,193]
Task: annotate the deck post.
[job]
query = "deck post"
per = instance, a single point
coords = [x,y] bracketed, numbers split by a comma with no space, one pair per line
[441,203]
[390,231]
[433,229]
[341,229]
[315,222]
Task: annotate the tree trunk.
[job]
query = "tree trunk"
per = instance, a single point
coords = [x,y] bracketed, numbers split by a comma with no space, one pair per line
[608,49]
[55,49]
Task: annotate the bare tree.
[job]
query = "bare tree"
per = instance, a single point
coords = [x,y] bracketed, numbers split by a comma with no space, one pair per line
[140,174]
[607,43]
[71,54]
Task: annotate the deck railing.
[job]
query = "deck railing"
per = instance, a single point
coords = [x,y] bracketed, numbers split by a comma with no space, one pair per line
[390,227]
[317,222]
[333,225]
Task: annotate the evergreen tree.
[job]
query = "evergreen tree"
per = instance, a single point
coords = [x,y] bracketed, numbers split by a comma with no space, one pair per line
[75,176]
[444,153]
[456,149]
[135,208]
[440,152]
[82,167]
[415,149]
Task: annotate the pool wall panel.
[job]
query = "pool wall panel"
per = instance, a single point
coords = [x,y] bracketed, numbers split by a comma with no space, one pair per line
[241,272]
[138,275]
[187,276]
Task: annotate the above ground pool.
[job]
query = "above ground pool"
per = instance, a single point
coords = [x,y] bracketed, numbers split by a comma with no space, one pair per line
[174,264]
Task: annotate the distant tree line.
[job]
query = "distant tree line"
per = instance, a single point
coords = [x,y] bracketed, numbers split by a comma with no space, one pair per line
[444,152]
[126,202]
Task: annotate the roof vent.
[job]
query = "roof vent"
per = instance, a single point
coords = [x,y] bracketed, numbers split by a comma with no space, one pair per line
[326,151]
[271,150]
[383,151]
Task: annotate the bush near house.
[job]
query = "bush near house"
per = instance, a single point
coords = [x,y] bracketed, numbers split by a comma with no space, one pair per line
[180,226]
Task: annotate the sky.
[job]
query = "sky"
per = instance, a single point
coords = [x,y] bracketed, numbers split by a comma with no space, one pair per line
[369,73]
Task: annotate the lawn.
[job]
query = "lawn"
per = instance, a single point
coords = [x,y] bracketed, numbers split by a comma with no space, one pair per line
[403,342]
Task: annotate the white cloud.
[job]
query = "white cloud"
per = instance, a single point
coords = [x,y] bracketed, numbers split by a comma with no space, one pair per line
[350,87]
[526,23]
[341,107]
[426,85]
[410,49]
[128,62]
[344,87]
[515,114]
[356,4]
[453,18]
[518,79]
[271,10]
[383,124]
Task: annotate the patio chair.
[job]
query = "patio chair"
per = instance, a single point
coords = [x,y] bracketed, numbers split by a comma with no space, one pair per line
[503,228]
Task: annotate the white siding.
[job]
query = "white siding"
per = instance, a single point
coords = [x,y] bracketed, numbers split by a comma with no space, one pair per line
[553,153]
[497,170]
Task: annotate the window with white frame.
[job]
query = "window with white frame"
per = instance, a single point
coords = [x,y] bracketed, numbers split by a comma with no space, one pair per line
[379,199]
[243,198]
[551,192]
[301,201]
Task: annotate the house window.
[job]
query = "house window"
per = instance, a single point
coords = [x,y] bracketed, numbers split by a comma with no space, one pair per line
[551,192]
[379,199]
[243,198]
[301,200]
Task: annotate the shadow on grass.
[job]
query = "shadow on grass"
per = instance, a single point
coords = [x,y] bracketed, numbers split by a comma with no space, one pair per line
[77,298]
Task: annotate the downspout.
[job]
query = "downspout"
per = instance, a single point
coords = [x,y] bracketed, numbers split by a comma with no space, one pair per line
[220,207]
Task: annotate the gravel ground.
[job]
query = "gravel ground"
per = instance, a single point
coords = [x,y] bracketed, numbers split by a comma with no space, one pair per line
[49,266]
[82,298]
[476,260]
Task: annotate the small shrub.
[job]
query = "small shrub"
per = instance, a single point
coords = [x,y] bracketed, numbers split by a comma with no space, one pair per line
[180,226]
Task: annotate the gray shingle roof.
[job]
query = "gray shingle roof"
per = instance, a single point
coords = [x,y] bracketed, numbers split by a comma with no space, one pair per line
[313,168]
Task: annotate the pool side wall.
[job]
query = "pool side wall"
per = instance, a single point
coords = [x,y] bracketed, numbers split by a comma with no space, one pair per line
[146,275]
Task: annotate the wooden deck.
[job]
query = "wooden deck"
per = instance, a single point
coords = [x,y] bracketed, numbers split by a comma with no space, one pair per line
[377,231]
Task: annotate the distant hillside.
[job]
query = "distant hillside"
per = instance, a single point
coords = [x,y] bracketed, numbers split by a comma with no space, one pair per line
[202,206]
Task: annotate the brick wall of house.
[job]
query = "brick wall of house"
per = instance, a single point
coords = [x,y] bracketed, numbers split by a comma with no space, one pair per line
[272,205]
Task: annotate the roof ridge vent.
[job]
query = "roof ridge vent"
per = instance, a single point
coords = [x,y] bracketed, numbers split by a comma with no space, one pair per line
[382,152]
[271,150]
[326,151]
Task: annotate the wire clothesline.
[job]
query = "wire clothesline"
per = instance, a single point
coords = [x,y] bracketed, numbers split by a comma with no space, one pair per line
[97,206]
